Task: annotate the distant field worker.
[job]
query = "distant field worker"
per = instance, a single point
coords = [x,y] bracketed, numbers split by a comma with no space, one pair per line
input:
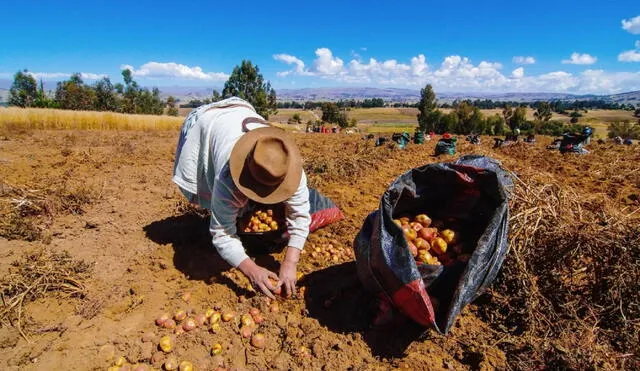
[227,155]
[586,133]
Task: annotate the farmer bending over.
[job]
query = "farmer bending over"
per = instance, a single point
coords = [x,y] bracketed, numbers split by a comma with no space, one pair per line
[228,154]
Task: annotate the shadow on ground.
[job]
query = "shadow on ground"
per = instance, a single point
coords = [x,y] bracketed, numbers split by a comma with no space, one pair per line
[335,297]
[195,256]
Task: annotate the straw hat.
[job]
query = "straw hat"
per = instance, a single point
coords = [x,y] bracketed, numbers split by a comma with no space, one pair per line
[266,165]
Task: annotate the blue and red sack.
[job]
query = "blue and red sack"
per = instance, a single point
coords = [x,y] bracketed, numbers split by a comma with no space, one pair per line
[474,192]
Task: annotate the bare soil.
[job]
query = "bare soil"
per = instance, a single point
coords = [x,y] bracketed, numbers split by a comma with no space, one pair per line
[106,198]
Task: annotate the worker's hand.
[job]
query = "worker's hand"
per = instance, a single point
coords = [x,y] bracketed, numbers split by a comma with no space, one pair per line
[288,270]
[288,277]
[259,276]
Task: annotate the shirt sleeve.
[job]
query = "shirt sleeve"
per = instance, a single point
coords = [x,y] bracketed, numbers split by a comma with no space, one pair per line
[297,214]
[226,201]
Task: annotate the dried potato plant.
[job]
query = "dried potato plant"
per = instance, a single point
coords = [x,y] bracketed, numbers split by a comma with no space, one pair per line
[38,274]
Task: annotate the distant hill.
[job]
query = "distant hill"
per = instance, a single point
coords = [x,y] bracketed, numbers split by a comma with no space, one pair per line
[628,97]
[186,93]
[409,95]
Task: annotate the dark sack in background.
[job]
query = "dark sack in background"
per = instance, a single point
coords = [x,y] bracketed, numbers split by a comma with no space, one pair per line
[323,211]
[473,191]
[446,146]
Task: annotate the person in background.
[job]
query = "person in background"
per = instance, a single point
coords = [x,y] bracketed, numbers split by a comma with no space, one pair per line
[227,154]
[586,134]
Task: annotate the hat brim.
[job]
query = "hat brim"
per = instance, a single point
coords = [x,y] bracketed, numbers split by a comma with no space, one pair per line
[246,183]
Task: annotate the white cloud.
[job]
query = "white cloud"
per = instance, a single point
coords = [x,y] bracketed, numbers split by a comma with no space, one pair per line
[65,75]
[174,70]
[364,49]
[326,65]
[456,66]
[457,73]
[577,58]
[523,60]
[518,73]
[49,75]
[290,59]
[419,65]
[629,56]
[92,76]
[632,25]
[387,71]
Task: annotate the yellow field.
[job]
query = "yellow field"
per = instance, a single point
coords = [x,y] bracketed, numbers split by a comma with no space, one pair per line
[41,118]
[383,115]
[284,114]
[369,119]
[405,116]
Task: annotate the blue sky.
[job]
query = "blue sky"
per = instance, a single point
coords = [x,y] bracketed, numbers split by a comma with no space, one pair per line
[464,46]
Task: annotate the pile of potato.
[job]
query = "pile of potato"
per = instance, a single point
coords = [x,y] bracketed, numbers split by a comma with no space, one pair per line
[172,326]
[261,221]
[428,244]
[330,252]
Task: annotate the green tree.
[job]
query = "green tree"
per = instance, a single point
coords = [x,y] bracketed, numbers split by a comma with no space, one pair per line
[246,82]
[542,113]
[149,102]
[106,96]
[295,119]
[73,94]
[575,115]
[507,112]
[171,106]
[470,119]
[23,91]
[624,129]
[129,91]
[331,113]
[518,118]
[448,123]
[495,125]
[477,122]
[42,99]
[138,100]
[426,106]
[216,97]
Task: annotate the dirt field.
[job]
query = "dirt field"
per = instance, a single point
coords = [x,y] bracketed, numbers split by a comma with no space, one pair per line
[106,198]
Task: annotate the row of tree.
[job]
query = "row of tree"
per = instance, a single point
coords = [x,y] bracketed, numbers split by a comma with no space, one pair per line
[75,94]
[466,118]
[245,82]
[334,114]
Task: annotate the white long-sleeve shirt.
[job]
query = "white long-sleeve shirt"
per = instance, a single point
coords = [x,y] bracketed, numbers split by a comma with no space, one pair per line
[202,169]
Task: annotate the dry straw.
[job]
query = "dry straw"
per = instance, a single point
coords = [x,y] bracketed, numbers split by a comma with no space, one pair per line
[35,275]
[41,118]
[569,284]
